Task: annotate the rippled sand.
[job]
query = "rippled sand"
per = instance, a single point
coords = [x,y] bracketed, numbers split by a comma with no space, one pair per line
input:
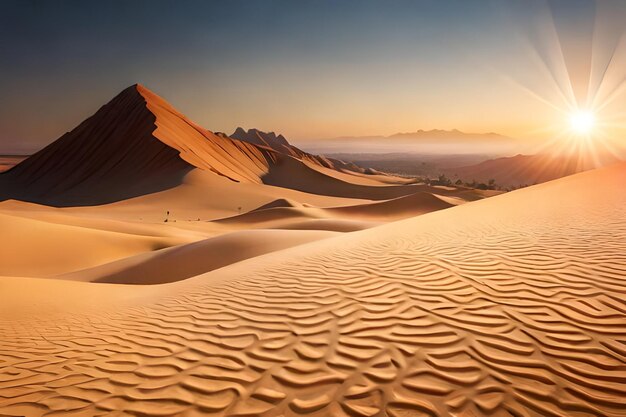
[511,306]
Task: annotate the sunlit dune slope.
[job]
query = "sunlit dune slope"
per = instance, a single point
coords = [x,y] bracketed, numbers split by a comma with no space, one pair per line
[33,247]
[184,261]
[388,210]
[511,306]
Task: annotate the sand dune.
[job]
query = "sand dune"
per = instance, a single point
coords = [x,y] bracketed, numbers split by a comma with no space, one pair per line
[9,161]
[139,176]
[333,225]
[207,196]
[38,248]
[90,164]
[296,175]
[374,178]
[497,307]
[93,236]
[188,260]
[280,203]
[138,144]
[398,208]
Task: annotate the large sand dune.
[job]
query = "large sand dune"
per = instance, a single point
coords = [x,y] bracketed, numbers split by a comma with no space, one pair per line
[138,144]
[511,306]
[184,261]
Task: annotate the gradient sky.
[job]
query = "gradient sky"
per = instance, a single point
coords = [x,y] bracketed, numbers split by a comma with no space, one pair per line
[311,69]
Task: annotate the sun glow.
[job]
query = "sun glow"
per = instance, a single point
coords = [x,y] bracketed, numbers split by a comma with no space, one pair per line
[582,122]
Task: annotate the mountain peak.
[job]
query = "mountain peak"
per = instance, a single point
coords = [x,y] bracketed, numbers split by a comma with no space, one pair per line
[133,90]
[137,144]
[258,137]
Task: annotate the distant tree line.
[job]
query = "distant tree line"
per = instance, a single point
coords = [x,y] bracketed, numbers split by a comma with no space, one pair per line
[489,185]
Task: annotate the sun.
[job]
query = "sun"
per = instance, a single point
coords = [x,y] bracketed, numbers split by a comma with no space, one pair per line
[582,122]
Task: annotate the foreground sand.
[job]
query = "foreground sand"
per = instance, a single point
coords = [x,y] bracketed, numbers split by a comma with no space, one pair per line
[511,306]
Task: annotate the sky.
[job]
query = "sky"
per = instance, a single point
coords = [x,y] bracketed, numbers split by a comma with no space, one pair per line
[314,68]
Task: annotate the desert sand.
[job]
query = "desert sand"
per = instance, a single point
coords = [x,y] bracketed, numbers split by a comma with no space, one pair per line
[152,267]
[495,307]
[139,180]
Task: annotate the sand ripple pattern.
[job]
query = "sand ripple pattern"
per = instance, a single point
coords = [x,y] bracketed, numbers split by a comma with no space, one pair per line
[499,317]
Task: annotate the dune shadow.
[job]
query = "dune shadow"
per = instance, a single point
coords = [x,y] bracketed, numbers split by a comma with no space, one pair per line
[92,192]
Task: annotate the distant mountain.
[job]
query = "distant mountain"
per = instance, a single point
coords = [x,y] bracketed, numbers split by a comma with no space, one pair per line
[280,144]
[429,135]
[449,136]
[421,141]
[260,138]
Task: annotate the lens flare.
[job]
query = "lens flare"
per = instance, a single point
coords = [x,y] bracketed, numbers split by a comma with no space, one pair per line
[582,122]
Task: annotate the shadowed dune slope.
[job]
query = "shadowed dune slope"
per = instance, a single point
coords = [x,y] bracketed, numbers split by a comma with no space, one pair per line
[9,161]
[499,307]
[111,155]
